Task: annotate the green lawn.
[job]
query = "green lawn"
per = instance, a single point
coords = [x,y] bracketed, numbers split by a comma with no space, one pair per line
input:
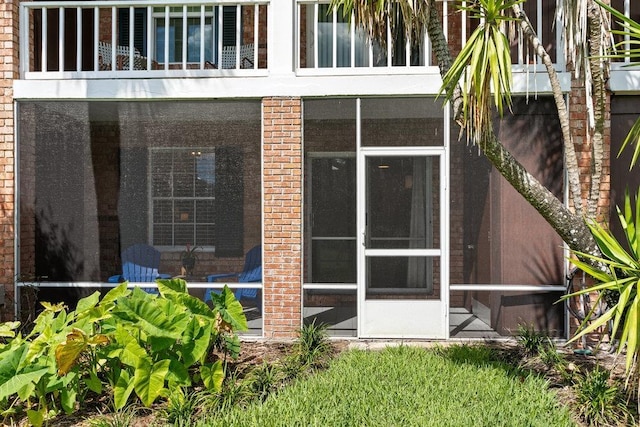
[407,386]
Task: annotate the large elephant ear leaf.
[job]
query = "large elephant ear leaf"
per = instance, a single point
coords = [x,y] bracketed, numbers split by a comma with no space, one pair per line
[212,376]
[230,310]
[171,286]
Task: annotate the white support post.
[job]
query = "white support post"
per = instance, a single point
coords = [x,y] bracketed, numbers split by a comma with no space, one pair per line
[238,34]
[79,38]
[184,36]
[315,35]
[43,39]
[131,37]
[61,39]
[389,45]
[334,38]
[166,37]
[352,35]
[202,24]
[279,39]
[150,31]
[220,32]
[25,56]
[114,40]
[96,39]
[256,34]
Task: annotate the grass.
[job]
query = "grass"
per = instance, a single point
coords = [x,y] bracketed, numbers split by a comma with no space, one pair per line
[407,386]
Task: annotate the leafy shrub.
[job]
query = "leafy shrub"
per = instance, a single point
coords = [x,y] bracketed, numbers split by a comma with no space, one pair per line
[235,392]
[265,379]
[550,356]
[121,418]
[130,343]
[599,402]
[180,407]
[533,342]
[312,346]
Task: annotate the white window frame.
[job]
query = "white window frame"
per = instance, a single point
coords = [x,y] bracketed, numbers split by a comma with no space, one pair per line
[153,199]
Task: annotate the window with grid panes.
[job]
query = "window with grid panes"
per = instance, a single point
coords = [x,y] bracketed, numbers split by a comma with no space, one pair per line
[183,196]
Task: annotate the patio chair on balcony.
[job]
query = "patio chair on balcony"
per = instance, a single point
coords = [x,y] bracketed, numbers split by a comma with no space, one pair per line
[228,58]
[123,58]
[252,272]
[140,263]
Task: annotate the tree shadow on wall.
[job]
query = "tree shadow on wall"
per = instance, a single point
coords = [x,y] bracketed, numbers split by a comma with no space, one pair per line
[57,259]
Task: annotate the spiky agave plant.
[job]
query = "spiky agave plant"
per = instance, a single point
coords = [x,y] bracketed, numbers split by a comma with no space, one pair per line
[621,276]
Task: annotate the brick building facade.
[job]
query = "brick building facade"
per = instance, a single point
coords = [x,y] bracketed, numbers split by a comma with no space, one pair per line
[294,120]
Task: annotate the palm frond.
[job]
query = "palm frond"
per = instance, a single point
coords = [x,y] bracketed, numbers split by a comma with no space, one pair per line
[483,69]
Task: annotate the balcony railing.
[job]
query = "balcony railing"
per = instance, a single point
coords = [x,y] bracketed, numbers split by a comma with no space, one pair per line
[329,43]
[194,38]
[105,39]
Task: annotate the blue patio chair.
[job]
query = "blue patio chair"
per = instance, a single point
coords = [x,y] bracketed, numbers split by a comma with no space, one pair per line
[252,272]
[140,263]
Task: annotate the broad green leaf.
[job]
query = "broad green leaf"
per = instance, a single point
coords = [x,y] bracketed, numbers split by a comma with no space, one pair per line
[231,310]
[171,286]
[115,293]
[88,302]
[196,342]
[195,306]
[212,376]
[36,418]
[149,381]
[178,375]
[37,348]
[122,390]
[232,344]
[68,398]
[15,383]
[159,344]
[133,354]
[10,360]
[144,313]
[93,383]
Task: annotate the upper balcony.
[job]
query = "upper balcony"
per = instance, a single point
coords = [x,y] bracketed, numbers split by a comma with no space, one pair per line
[129,39]
[289,48]
[193,38]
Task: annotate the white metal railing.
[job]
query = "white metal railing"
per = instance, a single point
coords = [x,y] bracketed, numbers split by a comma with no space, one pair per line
[630,10]
[327,43]
[135,38]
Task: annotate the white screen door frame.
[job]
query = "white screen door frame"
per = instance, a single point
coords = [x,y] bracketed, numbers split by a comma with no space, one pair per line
[420,311]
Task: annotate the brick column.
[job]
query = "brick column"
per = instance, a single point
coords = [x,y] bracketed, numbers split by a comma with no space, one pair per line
[282,175]
[9,70]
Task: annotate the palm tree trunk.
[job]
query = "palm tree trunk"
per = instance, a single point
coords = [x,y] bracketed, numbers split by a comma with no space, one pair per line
[599,106]
[570,158]
[570,227]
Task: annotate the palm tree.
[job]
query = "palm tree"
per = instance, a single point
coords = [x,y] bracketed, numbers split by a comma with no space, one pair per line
[482,64]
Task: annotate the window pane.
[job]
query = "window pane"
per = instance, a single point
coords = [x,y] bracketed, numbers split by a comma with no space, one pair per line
[335,308]
[163,211]
[330,191]
[402,122]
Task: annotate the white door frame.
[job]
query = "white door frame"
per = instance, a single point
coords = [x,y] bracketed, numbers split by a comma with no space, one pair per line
[397,318]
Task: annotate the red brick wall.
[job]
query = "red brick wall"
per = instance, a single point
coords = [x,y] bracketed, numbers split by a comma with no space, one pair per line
[9,70]
[282,175]
[582,141]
